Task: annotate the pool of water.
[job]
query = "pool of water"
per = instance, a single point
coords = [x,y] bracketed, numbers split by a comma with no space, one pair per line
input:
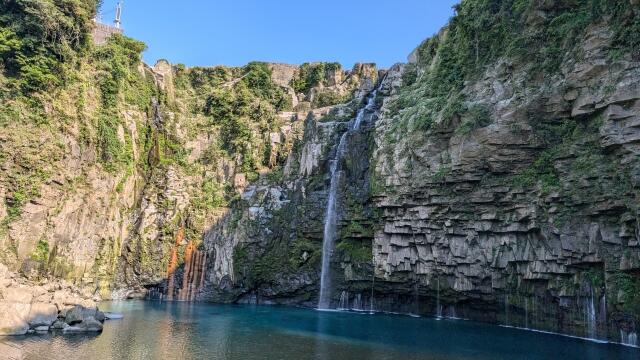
[152,330]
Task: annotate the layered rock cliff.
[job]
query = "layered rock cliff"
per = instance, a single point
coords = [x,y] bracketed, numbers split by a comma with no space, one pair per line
[497,180]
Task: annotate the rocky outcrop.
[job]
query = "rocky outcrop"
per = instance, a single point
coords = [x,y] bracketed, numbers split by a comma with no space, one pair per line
[28,307]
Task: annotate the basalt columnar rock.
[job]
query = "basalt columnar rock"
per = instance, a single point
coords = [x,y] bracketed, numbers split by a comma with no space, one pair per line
[488,184]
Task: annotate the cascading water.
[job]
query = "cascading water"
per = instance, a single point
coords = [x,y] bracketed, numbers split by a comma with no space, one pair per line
[330,229]
[628,338]
[373,283]
[590,314]
[526,313]
[344,301]
[357,303]
[506,309]
[438,306]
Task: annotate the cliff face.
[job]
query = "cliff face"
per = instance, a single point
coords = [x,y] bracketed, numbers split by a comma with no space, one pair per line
[111,179]
[485,184]
[529,217]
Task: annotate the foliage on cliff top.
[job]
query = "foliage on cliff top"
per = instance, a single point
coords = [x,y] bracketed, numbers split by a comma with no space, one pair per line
[313,74]
[540,35]
[40,41]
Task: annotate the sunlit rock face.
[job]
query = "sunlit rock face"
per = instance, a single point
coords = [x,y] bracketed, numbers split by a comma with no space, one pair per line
[514,203]
[455,210]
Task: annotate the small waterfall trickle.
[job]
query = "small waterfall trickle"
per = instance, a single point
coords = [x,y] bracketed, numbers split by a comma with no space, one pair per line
[357,303]
[452,314]
[526,312]
[330,220]
[590,314]
[416,299]
[344,301]
[438,306]
[373,282]
[506,309]
[628,338]
[602,313]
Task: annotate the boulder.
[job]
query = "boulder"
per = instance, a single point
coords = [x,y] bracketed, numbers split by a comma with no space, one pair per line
[14,318]
[78,314]
[42,314]
[59,325]
[89,324]
[74,315]
[17,295]
[3,271]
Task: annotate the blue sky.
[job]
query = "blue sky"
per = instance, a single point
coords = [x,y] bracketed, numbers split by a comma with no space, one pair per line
[234,32]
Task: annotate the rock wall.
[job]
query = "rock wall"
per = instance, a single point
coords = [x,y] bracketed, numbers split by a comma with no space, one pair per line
[458,223]
[511,200]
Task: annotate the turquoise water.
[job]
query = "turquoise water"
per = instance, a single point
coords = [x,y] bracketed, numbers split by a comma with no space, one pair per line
[201,331]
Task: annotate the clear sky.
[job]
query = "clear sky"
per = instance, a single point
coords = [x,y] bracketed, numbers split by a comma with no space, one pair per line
[234,32]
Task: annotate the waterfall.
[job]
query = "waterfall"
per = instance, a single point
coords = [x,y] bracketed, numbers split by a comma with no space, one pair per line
[438,306]
[344,301]
[506,309]
[452,312]
[330,228]
[357,302]
[416,299]
[373,282]
[590,314]
[602,312]
[526,312]
[370,104]
[628,338]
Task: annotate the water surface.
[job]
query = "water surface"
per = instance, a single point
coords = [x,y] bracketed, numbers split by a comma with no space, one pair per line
[152,330]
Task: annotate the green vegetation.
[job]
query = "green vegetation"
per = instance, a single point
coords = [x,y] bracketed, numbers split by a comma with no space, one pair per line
[441,174]
[116,62]
[328,98]
[312,75]
[541,172]
[41,252]
[476,116]
[359,252]
[242,110]
[485,30]
[41,42]
[629,288]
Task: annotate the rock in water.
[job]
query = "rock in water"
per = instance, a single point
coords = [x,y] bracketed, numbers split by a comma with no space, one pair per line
[87,325]
[112,316]
[42,314]
[14,318]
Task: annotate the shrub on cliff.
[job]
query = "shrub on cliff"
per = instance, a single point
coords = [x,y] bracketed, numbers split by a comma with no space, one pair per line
[41,40]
